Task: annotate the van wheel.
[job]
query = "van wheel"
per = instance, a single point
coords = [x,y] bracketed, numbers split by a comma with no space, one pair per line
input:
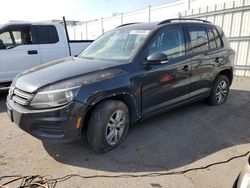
[219,92]
[108,125]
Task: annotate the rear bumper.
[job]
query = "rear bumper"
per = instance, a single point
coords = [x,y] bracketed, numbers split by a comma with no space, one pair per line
[55,125]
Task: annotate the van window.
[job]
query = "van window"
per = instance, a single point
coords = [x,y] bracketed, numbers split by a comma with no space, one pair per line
[18,35]
[47,34]
[169,41]
[217,38]
[198,39]
[211,37]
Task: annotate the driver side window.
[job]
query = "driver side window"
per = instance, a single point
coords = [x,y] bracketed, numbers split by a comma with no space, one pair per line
[15,37]
[5,40]
[169,41]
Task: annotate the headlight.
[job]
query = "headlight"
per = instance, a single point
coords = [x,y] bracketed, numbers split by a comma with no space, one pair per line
[54,96]
[245,181]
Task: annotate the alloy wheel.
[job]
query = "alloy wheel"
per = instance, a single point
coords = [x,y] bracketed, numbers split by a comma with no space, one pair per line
[115,127]
[221,92]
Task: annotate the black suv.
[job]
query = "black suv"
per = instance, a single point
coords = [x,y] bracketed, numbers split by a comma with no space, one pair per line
[129,74]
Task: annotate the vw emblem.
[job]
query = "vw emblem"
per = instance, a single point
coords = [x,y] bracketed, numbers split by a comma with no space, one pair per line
[11,91]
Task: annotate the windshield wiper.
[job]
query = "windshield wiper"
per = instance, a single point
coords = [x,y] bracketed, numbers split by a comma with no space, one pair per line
[90,58]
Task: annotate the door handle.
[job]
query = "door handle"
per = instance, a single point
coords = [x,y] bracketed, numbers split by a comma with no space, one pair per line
[217,60]
[32,52]
[185,68]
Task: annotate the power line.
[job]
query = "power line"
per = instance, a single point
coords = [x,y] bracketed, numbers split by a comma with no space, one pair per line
[49,182]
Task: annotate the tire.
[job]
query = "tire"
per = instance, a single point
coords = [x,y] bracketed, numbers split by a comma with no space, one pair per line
[108,125]
[220,91]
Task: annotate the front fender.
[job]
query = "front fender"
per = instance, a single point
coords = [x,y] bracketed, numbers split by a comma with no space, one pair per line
[121,87]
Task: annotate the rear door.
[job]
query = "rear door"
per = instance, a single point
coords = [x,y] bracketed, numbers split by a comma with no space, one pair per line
[167,84]
[52,44]
[18,51]
[202,64]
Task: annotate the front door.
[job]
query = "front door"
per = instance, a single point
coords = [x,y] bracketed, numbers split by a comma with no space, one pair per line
[18,51]
[166,85]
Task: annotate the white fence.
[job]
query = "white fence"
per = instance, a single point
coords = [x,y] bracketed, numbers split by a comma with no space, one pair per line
[232,16]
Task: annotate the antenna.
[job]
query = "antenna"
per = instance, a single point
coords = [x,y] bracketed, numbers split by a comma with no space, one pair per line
[67,34]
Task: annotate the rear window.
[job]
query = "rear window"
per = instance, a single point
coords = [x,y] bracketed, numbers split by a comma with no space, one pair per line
[211,37]
[217,38]
[47,35]
[198,39]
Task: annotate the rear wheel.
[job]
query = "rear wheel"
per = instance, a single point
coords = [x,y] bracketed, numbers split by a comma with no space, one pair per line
[108,125]
[220,91]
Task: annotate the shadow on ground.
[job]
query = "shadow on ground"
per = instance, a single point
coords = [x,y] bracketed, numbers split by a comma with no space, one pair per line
[171,140]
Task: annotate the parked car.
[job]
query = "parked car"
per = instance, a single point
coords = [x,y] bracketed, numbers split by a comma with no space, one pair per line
[26,45]
[243,180]
[127,75]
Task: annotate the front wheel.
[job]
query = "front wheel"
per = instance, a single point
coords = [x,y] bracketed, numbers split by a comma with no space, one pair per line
[108,125]
[220,91]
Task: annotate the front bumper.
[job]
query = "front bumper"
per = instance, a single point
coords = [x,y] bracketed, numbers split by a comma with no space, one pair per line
[57,124]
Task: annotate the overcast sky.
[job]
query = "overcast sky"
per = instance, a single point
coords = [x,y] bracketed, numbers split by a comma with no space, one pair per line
[37,10]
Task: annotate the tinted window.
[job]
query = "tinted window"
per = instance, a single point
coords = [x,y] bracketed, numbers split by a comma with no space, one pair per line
[17,35]
[198,39]
[217,38]
[211,37]
[169,41]
[47,35]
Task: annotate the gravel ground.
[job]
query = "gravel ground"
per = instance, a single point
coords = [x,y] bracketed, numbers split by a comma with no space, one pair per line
[192,136]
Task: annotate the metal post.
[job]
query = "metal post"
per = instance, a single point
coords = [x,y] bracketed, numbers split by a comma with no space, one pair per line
[188,4]
[121,18]
[149,13]
[86,27]
[179,15]
[102,25]
[74,32]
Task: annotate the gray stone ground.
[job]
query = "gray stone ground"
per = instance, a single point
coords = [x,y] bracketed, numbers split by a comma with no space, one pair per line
[192,136]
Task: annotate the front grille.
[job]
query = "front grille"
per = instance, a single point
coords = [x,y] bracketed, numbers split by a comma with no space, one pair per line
[21,97]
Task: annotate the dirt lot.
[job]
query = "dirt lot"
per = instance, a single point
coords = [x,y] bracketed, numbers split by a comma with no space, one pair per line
[191,136]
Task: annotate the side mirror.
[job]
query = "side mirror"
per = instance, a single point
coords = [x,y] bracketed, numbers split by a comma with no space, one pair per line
[157,58]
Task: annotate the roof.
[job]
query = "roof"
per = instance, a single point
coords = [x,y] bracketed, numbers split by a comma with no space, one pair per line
[140,25]
[26,23]
[152,25]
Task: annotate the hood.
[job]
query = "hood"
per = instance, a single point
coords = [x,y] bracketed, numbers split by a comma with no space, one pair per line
[62,69]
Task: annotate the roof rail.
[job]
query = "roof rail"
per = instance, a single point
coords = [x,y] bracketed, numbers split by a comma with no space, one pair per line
[182,19]
[127,24]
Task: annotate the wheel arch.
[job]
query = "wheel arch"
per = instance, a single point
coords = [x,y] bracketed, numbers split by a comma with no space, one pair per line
[126,98]
[228,73]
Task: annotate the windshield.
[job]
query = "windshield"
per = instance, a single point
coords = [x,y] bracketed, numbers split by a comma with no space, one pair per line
[115,45]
